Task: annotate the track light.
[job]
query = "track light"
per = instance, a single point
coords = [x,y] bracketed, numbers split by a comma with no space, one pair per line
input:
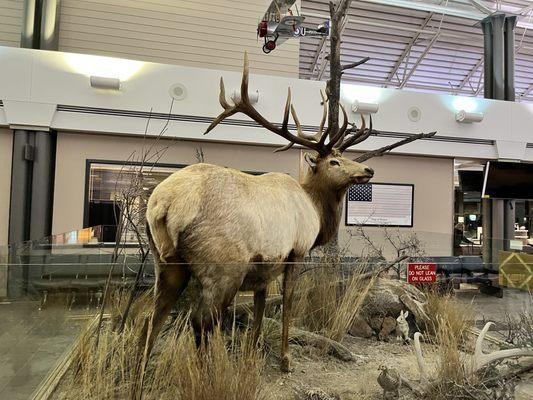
[253,96]
[364,108]
[101,82]
[468,117]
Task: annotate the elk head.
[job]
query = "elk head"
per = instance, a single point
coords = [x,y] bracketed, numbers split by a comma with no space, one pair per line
[328,164]
[337,172]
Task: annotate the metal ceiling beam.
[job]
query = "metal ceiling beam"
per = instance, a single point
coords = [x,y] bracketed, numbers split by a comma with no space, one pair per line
[421,6]
[405,28]
[419,60]
[526,92]
[319,49]
[471,73]
[480,6]
[408,48]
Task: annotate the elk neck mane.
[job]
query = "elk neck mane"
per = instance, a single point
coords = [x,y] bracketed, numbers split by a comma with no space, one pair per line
[328,203]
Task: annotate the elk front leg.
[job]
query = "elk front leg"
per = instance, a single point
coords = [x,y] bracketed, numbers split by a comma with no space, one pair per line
[259,310]
[289,283]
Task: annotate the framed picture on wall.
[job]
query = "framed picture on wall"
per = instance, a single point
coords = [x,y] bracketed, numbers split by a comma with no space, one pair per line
[380,204]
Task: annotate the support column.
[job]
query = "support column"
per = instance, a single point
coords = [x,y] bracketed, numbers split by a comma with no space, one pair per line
[498,58]
[32,185]
[498,224]
[510,24]
[19,209]
[21,177]
[49,34]
[498,215]
[31,24]
[486,212]
[42,186]
[509,216]
[486,26]
[40,26]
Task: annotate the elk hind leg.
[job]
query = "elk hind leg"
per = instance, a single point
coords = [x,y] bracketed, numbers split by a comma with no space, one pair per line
[170,283]
[259,310]
[289,283]
[214,299]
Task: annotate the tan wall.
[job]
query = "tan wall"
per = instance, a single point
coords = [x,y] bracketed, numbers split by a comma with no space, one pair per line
[433,201]
[6,145]
[6,148]
[432,177]
[10,22]
[201,33]
[74,149]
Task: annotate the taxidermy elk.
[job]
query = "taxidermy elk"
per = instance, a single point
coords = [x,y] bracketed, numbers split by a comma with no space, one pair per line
[234,231]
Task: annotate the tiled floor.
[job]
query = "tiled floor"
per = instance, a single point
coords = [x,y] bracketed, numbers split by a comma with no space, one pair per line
[31,343]
[495,309]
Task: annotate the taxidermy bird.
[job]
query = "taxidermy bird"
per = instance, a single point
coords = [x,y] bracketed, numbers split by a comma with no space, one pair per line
[390,381]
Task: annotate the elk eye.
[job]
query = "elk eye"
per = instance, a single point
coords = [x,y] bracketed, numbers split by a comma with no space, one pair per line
[334,162]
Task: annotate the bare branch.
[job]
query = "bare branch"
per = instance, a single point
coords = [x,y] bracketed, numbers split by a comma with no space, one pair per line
[384,150]
[355,64]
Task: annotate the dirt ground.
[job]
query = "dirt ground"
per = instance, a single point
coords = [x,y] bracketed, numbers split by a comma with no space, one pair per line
[342,380]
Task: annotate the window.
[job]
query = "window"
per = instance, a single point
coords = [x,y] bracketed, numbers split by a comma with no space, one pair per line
[106,184]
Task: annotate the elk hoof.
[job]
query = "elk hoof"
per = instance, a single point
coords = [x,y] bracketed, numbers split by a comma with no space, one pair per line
[286,364]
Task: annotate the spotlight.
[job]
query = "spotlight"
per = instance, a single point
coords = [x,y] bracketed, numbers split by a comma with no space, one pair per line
[467,117]
[253,96]
[101,82]
[364,108]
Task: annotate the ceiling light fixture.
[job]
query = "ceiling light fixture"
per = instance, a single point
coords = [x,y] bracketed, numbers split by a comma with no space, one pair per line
[101,82]
[468,117]
[364,108]
[253,96]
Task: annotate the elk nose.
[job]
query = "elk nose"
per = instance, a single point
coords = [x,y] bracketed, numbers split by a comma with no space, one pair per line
[369,171]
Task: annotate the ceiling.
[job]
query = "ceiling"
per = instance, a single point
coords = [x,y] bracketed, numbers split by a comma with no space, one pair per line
[432,46]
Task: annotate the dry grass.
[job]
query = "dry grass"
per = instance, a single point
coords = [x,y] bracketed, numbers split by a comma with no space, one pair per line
[327,300]
[226,368]
[449,324]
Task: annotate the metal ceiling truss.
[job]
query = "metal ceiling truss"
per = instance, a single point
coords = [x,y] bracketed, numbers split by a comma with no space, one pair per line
[407,52]
[411,48]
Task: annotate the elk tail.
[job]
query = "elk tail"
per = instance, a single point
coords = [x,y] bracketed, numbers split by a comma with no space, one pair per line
[158,238]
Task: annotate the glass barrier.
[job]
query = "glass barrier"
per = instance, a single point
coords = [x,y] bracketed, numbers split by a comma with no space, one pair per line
[52,290]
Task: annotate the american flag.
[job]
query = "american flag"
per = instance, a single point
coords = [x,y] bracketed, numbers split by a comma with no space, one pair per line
[380,204]
[360,192]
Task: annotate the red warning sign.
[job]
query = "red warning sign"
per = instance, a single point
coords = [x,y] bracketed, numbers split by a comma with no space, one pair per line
[421,272]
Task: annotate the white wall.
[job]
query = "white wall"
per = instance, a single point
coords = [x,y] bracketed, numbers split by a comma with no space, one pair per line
[201,33]
[10,22]
[32,83]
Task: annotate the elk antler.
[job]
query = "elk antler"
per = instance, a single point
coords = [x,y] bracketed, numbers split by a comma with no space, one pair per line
[341,140]
[472,364]
[244,106]
[359,135]
[386,149]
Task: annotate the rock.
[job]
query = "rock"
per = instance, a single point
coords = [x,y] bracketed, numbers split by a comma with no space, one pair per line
[388,326]
[360,328]
[524,391]
[387,298]
[375,323]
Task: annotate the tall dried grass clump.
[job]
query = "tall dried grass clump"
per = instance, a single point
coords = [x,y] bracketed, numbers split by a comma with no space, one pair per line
[449,326]
[328,299]
[226,368]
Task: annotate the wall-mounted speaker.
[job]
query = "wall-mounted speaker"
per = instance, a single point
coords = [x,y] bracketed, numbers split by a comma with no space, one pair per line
[414,114]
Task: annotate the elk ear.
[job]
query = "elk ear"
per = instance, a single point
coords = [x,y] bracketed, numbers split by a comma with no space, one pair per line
[311,160]
[406,314]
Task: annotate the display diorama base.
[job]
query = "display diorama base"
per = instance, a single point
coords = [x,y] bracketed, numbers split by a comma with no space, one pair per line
[323,369]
